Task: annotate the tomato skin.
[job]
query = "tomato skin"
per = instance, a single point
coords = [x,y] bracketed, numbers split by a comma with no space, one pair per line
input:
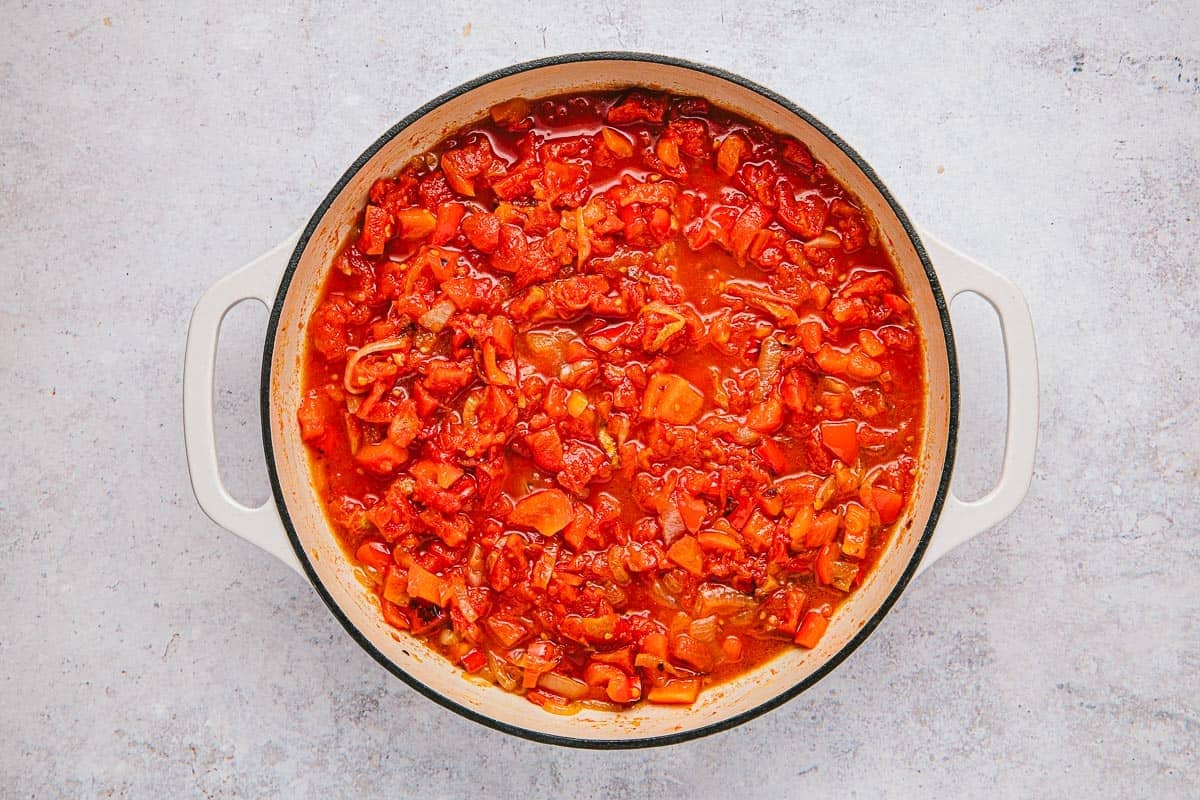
[842,439]
[888,503]
[729,156]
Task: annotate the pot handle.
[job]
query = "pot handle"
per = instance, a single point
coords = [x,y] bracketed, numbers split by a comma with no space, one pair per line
[258,280]
[961,520]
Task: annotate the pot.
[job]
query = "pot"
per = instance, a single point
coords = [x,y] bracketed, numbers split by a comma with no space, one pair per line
[292,525]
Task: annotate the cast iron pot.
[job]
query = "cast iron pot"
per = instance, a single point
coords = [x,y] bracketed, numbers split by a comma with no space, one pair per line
[292,526]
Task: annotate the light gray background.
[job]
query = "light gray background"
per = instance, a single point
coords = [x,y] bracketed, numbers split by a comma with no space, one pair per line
[144,154]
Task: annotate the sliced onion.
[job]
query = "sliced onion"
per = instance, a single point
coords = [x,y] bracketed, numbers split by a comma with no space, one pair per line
[471,406]
[825,493]
[660,595]
[615,595]
[560,684]
[716,598]
[381,346]
[436,318]
[705,629]
[616,563]
[508,676]
[475,565]
[601,705]
[672,582]
[567,710]
[464,604]
[828,239]
[770,356]
[830,385]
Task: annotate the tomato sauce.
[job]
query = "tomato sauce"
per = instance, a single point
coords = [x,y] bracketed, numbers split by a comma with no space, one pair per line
[613,397]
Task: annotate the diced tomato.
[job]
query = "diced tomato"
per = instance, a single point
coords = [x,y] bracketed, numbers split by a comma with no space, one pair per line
[510,113]
[751,221]
[463,164]
[822,530]
[794,392]
[315,409]
[805,215]
[693,511]
[617,143]
[547,448]
[691,651]
[395,586]
[482,231]
[715,540]
[772,454]
[449,215]
[382,458]
[577,529]
[842,439]
[474,660]
[888,503]
[394,615]
[405,424]
[729,155]
[376,555]
[796,153]
[638,107]
[469,294]
[823,566]
[811,629]
[377,228]
[686,553]
[547,511]
[767,416]
[679,691]
[416,223]
[424,585]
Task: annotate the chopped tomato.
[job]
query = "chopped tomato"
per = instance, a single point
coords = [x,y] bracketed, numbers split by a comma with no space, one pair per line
[729,155]
[671,398]
[676,692]
[823,566]
[686,553]
[887,502]
[416,223]
[811,629]
[547,511]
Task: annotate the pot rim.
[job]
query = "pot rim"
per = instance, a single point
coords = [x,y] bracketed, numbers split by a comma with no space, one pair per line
[783,696]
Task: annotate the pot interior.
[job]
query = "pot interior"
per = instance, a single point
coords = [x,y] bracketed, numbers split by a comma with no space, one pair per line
[317,545]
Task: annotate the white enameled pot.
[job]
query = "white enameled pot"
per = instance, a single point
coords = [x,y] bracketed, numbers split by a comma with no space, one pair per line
[292,526]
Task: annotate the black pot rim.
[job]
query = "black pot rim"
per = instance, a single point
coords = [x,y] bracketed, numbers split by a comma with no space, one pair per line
[611,743]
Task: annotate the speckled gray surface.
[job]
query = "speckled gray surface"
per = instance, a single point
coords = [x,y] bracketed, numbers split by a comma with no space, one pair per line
[146,653]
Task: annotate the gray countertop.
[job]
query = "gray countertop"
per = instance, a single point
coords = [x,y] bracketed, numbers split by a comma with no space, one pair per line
[144,652]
